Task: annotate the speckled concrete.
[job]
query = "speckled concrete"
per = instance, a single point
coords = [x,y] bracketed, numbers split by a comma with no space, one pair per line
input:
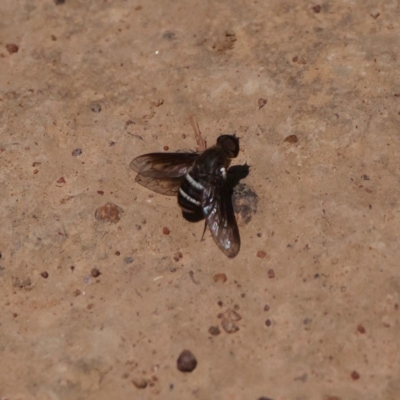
[309,309]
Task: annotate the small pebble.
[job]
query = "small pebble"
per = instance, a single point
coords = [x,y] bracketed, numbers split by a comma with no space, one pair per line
[186,361]
[291,139]
[139,382]
[261,254]
[271,274]
[361,329]
[77,152]
[44,274]
[221,278]
[95,272]
[214,330]
[317,9]
[355,375]
[12,48]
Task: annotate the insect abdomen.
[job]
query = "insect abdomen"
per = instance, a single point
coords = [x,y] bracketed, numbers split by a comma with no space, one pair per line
[190,195]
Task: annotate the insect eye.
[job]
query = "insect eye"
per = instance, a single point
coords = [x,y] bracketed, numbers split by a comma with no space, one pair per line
[230,145]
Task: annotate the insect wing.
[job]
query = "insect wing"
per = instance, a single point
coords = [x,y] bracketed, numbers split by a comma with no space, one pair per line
[220,218]
[163,172]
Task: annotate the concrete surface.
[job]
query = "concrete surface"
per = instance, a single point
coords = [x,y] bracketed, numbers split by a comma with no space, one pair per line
[99,308]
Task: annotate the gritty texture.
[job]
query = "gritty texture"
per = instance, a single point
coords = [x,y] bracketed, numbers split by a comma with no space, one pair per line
[86,86]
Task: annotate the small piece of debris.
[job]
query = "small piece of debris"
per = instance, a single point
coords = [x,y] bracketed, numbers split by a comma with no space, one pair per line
[158,103]
[220,278]
[77,152]
[16,282]
[110,212]
[139,382]
[186,361]
[317,9]
[95,272]
[214,330]
[96,108]
[44,274]
[291,139]
[299,60]
[268,322]
[77,292]
[178,256]
[261,254]
[264,398]
[191,274]
[128,260]
[271,274]
[12,48]
[61,180]
[166,231]
[261,103]
[59,2]
[267,307]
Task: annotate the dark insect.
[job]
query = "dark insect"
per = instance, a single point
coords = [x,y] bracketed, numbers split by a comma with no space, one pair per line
[203,184]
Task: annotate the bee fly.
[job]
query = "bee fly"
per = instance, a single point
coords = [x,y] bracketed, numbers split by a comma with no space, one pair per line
[202,184]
